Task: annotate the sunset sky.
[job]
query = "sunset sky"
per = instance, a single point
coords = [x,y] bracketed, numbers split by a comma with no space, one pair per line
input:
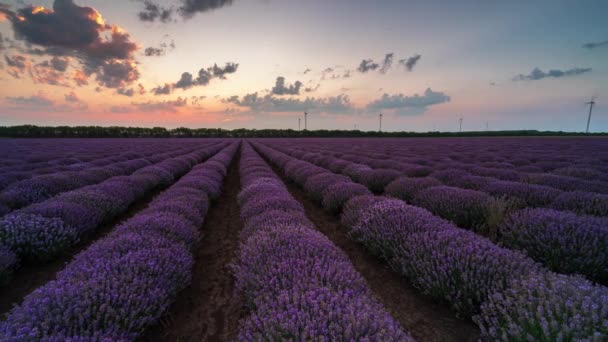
[261,63]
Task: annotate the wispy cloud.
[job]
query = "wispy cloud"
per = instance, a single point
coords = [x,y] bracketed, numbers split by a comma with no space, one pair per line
[537,74]
[592,46]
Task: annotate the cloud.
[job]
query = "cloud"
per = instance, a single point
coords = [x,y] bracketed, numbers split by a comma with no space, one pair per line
[71,97]
[126,92]
[402,104]
[120,109]
[117,74]
[154,51]
[191,7]
[60,63]
[39,100]
[80,32]
[281,89]
[325,72]
[410,63]
[170,106]
[367,65]
[164,90]
[47,73]
[387,63]
[312,89]
[592,46]
[17,64]
[537,74]
[152,11]
[270,104]
[205,75]
[80,78]
[41,103]
[159,51]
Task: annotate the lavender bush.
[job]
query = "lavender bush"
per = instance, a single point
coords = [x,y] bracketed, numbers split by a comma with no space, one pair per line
[562,241]
[546,307]
[406,188]
[584,203]
[466,208]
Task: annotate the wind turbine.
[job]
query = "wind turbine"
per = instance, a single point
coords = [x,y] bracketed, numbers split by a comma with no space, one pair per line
[590,103]
[461,124]
[305,121]
[299,122]
[380,122]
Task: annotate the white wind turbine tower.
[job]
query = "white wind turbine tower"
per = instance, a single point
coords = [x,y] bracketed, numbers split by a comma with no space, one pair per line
[590,103]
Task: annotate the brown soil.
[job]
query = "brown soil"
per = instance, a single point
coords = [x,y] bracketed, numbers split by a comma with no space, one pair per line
[208,310]
[33,275]
[423,318]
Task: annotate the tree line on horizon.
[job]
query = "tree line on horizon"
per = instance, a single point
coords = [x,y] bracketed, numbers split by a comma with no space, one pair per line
[32,131]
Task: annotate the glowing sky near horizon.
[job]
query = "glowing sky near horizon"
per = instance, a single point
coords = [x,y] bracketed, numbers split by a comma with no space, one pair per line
[508,64]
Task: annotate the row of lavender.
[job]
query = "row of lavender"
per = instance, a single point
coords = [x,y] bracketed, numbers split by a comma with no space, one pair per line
[39,157]
[43,231]
[296,283]
[508,295]
[39,188]
[574,157]
[563,241]
[585,193]
[125,282]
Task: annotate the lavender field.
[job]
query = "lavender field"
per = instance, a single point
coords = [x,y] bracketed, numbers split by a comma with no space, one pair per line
[358,239]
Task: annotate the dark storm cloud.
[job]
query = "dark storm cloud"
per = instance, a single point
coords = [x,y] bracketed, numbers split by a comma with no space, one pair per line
[537,74]
[403,104]
[280,88]
[387,63]
[79,32]
[592,46]
[410,63]
[367,65]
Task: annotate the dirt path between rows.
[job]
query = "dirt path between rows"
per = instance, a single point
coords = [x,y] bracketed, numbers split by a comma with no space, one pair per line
[207,310]
[424,319]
